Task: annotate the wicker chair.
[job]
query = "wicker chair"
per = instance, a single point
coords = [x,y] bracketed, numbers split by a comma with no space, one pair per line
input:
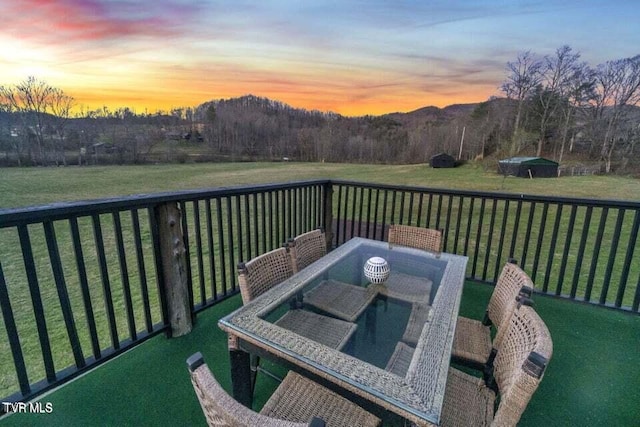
[296,402]
[416,237]
[267,270]
[472,344]
[519,367]
[307,248]
[263,272]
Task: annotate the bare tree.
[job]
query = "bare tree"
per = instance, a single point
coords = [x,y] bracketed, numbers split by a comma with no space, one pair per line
[555,77]
[60,105]
[523,76]
[617,86]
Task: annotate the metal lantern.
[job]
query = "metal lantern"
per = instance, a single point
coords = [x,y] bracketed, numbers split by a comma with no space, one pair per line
[376,269]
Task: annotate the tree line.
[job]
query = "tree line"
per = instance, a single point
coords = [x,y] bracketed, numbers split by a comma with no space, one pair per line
[553,106]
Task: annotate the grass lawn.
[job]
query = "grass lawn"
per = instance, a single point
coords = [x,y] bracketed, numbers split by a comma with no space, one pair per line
[33,186]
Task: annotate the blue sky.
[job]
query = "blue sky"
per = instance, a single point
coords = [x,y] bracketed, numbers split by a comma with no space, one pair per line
[351,57]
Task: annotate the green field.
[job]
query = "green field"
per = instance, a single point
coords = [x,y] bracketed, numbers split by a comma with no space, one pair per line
[33,186]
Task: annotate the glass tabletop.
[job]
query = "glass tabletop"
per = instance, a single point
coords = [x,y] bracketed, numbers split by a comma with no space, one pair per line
[381,312]
[355,326]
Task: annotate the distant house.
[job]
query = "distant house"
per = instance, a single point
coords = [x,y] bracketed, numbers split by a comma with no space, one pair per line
[442,160]
[528,167]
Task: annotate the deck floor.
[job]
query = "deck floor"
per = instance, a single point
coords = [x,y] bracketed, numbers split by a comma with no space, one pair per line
[592,379]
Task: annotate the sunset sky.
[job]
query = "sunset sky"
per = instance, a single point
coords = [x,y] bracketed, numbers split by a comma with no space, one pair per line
[350,57]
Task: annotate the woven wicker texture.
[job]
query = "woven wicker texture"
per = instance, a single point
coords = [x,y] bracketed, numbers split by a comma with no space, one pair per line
[307,248]
[526,334]
[400,359]
[220,409]
[263,272]
[334,333]
[417,319]
[467,401]
[298,398]
[472,342]
[340,299]
[406,287]
[416,237]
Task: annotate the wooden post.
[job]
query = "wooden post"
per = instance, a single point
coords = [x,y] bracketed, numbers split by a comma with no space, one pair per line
[328,214]
[174,268]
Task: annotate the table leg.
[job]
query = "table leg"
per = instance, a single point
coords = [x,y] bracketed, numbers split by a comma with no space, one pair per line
[241,375]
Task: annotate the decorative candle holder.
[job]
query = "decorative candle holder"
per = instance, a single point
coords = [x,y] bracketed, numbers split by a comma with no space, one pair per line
[376,269]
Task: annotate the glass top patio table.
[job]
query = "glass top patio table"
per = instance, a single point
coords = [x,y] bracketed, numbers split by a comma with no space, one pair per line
[380,314]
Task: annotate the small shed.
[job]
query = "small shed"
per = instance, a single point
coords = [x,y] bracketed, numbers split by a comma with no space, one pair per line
[442,160]
[528,167]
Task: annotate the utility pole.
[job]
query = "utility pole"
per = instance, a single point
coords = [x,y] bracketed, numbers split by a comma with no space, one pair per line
[461,142]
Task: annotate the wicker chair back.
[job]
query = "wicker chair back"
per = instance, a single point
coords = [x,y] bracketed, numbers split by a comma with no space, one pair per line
[263,272]
[427,239]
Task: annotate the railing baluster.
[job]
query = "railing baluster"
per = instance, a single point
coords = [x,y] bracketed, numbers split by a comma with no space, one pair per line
[447,224]
[458,221]
[419,214]
[503,228]
[527,236]
[124,277]
[583,244]
[536,258]
[393,206]
[263,215]
[439,211]
[211,247]
[14,339]
[516,225]
[596,254]
[221,258]
[428,217]
[36,302]
[247,224]
[552,248]
[239,239]
[187,254]
[375,217]
[84,287]
[142,273]
[199,258]
[63,294]
[346,208]
[489,239]
[633,236]
[256,227]
[567,245]
[231,246]
[468,232]
[157,256]
[478,237]
[410,207]
[402,197]
[367,235]
[384,214]
[360,208]
[106,284]
[612,257]
[353,212]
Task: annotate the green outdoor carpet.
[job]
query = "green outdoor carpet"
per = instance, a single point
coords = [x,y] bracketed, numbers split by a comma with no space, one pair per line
[592,379]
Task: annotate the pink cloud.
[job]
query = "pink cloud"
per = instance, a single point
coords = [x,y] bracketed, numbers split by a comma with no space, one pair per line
[62,21]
